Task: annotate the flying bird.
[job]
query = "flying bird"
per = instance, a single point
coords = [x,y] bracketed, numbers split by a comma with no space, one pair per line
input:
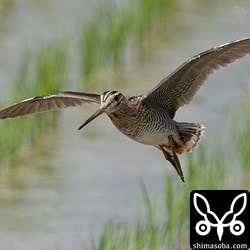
[148,118]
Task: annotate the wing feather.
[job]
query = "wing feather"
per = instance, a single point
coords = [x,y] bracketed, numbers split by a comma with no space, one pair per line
[180,86]
[49,102]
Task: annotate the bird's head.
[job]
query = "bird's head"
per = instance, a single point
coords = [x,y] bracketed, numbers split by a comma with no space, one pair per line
[110,102]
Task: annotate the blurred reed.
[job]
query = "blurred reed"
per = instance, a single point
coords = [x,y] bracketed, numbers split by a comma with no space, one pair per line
[107,33]
[40,71]
[241,127]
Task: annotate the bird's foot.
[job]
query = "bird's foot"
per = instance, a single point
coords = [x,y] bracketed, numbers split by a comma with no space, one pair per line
[177,164]
[173,158]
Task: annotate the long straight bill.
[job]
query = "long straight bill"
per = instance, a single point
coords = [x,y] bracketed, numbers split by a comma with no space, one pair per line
[92,117]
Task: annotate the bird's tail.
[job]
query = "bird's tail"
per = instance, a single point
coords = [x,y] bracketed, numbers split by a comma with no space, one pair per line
[190,135]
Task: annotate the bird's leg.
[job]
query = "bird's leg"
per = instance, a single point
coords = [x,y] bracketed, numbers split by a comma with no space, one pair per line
[173,159]
[167,155]
[177,165]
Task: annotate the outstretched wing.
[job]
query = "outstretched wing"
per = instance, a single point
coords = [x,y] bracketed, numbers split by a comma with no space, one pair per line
[48,102]
[180,86]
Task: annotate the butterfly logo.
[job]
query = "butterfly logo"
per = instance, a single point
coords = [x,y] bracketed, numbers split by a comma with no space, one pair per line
[210,219]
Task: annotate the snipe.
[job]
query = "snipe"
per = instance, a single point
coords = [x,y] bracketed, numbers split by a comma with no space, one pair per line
[148,118]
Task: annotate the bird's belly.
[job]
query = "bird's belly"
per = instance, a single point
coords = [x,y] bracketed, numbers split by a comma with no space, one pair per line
[153,138]
[146,136]
[150,129]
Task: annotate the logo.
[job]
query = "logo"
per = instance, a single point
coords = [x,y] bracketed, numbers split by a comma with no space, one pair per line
[220,219]
[203,227]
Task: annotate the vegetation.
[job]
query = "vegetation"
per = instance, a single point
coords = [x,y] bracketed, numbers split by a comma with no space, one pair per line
[103,44]
[164,224]
[42,71]
[241,124]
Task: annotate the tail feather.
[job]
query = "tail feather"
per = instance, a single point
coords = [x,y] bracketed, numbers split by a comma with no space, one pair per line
[190,135]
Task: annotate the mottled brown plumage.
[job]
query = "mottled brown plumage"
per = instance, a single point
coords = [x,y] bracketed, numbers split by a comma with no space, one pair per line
[148,118]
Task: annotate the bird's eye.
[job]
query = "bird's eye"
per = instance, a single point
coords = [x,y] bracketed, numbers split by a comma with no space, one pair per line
[116,98]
